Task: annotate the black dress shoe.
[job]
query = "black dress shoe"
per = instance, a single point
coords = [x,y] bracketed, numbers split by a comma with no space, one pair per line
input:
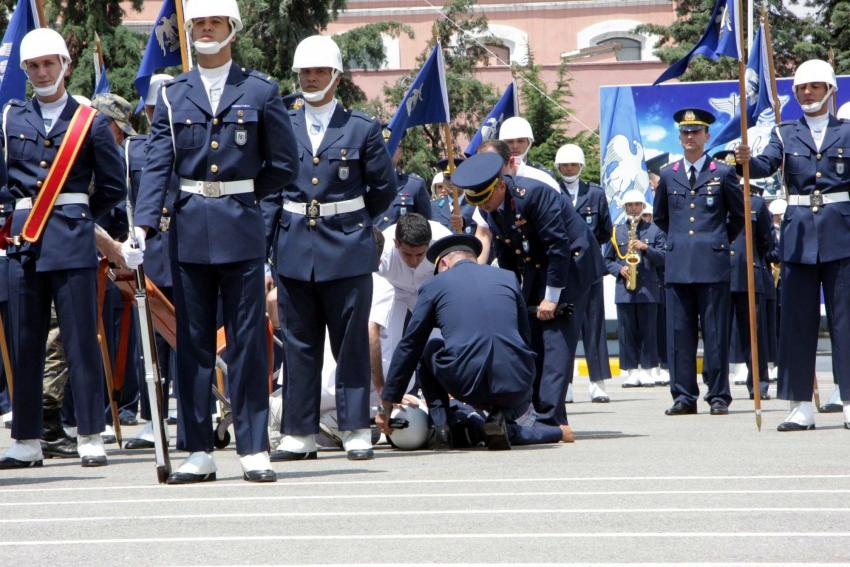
[129,420]
[267,475]
[719,408]
[440,438]
[93,461]
[831,408]
[10,463]
[680,408]
[764,396]
[601,400]
[109,439]
[279,456]
[64,448]
[138,444]
[8,425]
[847,425]
[497,432]
[793,426]
[360,454]
[171,420]
[189,478]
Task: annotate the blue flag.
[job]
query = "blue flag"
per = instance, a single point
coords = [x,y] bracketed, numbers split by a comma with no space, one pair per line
[102,85]
[163,49]
[425,102]
[623,167]
[720,38]
[13,79]
[504,109]
[759,95]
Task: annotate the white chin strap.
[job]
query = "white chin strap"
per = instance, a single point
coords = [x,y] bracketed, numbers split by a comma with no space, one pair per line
[571,178]
[51,90]
[319,95]
[213,47]
[815,106]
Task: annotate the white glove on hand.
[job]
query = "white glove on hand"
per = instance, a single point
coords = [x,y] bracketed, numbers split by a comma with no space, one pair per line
[133,249]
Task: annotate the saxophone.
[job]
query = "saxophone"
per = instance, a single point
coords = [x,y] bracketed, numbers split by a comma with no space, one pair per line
[632,256]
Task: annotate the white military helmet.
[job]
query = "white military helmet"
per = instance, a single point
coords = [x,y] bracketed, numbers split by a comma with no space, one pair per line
[415,434]
[43,41]
[317,51]
[844,112]
[815,71]
[569,153]
[634,196]
[196,9]
[778,206]
[516,127]
[438,178]
[154,88]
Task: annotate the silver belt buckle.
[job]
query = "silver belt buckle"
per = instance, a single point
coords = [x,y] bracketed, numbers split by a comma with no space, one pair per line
[164,223]
[212,189]
[313,210]
[815,202]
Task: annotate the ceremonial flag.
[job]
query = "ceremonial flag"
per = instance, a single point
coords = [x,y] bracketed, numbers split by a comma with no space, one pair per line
[507,107]
[101,81]
[425,102]
[623,166]
[719,38]
[13,79]
[163,49]
[759,95]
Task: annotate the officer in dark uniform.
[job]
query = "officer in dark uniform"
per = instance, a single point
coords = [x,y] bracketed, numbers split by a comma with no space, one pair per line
[552,251]
[60,267]
[815,241]
[590,203]
[442,206]
[325,254]
[225,132]
[412,195]
[698,203]
[489,366]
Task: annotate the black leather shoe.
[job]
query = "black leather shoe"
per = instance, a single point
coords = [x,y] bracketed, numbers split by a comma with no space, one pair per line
[847,425]
[792,426]
[8,425]
[267,475]
[171,420]
[138,444]
[360,454]
[10,463]
[601,400]
[719,408]
[93,461]
[109,439]
[496,432]
[831,408]
[129,420]
[440,438]
[189,478]
[680,408]
[64,448]
[278,456]
[764,396]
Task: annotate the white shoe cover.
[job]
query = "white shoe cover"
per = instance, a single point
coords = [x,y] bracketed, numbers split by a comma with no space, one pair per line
[24,450]
[146,434]
[738,373]
[835,396]
[5,418]
[802,413]
[90,446]
[199,463]
[357,440]
[569,397]
[597,389]
[645,377]
[297,444]
[255,462]
[846,412]
[632,378]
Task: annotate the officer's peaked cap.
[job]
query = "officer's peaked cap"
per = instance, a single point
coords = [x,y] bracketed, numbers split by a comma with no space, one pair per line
[453,243]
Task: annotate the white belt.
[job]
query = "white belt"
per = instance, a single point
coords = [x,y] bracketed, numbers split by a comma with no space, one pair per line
[62,199]
[316,209]
[217,189]
[818,199]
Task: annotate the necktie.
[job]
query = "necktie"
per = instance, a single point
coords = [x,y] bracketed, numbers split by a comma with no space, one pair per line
[316,128]
[692,178]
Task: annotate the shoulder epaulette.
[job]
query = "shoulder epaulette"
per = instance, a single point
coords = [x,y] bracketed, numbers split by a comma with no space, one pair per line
[16,102]
[257,74]
[416,177]
[518,191]
[361,115]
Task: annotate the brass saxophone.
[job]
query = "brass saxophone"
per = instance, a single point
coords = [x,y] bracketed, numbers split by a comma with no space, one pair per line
[632,256]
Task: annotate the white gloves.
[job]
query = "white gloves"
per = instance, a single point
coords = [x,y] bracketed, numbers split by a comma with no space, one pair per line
[133,249]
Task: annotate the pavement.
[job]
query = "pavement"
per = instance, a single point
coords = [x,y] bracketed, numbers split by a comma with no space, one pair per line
[636,487]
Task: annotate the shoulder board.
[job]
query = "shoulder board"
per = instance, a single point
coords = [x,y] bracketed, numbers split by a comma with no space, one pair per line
[16,102]
[787,123]
[668,166]
[361,115]
[594,185]
[137,138]
[416,177]
[258,75]
[518,191]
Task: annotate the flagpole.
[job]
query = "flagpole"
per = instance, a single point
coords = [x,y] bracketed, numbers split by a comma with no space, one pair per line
[768,40]
[834,91]
[39,8]
[450,169]
[748,228]
[181,33]
[98,59]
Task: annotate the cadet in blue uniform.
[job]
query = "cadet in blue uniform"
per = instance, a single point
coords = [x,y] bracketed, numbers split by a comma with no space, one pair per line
[698,203]
[412,195]
[637,309]
[815,244]
[590,203]
[553,253]
[225,132]
[485,365]
[325,254]
[61,265]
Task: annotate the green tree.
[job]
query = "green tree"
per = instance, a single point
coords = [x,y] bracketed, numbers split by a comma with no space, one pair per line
[6,8]
[831,28]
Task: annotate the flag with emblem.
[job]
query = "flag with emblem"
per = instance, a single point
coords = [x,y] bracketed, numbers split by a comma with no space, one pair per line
[13,79]
[163,49]
[101,81]
[719,38]
[489,130]
[425,102]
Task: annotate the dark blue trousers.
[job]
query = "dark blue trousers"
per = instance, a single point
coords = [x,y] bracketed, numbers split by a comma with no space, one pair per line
[798,330]
[691,307]
[74,292]
[306,309]
[5,402]
[637,335]
[555,343]
[661,328]
[593,335]
[741,316]
[196,293]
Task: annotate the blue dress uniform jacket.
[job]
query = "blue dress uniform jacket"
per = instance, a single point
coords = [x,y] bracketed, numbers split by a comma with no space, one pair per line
[412,197]
[68,239]
[709,218]
[247,138]
[810,237]
[592,206]
[441,210]
[648,283]
[762,243]
[351,158]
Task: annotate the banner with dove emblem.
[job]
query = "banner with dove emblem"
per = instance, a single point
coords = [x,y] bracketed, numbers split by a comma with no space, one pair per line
[507,107]
[163,49]
[13,79]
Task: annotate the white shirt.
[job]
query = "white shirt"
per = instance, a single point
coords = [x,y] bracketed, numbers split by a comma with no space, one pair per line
[697,165]
[572,190]
[317,119]
[817,126]
[50,111]
[214,80]
[525,170]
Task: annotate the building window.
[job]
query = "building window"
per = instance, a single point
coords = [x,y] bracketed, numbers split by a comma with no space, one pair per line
[501,54]
[628,50]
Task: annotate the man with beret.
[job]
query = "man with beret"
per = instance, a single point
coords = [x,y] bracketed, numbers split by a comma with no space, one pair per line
[485,365]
